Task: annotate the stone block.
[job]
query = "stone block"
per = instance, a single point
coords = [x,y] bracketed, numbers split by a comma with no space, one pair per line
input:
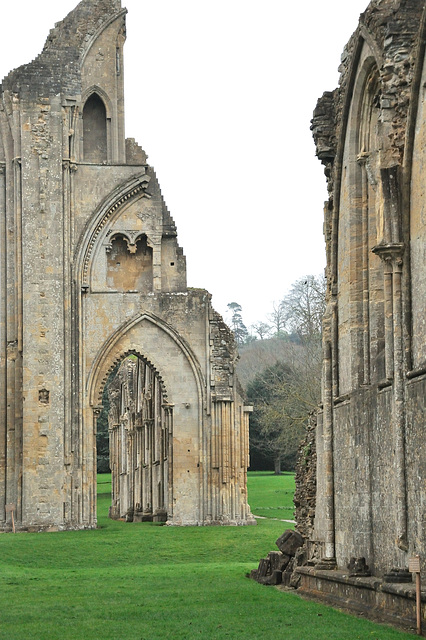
[276,578]
[289,542]
[264,568]
[278,560]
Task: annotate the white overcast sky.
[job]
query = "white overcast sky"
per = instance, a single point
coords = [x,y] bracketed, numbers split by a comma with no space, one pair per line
[220,95]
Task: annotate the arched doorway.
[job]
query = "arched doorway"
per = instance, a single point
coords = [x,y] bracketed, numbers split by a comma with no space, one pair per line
[139,423]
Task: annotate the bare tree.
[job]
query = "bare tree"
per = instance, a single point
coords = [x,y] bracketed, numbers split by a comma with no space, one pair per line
[277,318]
[285,393]
[304,306]
[261,329]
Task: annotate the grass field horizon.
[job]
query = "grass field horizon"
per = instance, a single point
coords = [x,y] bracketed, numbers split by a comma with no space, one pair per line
[132,581]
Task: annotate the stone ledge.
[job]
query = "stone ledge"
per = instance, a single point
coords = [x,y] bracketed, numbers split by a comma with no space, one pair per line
[366,582]
[365,595]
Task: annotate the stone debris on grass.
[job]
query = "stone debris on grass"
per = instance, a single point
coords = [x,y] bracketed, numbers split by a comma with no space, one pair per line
[279,566]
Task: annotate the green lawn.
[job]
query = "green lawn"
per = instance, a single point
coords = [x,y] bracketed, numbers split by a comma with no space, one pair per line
[148,582]
[271,496]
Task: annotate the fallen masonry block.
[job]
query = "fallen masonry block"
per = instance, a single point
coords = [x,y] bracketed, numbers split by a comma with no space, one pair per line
[264,568]
[289,542]
[278,560]
[278,567]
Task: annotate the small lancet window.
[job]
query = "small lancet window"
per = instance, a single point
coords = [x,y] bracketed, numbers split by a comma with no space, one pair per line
[95,147]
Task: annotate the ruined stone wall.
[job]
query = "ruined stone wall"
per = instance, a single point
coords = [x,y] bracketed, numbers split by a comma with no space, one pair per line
[91,272]
[417,228]
[306,481]
[370,136]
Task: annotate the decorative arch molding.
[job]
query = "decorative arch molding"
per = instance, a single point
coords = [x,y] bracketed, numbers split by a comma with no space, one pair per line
[372,44]
[113,352]
[414,105]
[121,358]
[130,190]
[356,85]
[97,33]
[131,238]
[96,90]
[364,38]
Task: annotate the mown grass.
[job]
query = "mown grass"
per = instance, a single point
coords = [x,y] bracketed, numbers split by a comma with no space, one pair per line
[271,496]
[143,581]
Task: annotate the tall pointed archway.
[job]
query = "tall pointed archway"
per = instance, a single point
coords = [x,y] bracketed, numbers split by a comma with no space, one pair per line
[140,425]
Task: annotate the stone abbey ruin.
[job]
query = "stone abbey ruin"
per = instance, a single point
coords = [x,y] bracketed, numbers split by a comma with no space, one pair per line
[91,276]
[93,291]
[370,134]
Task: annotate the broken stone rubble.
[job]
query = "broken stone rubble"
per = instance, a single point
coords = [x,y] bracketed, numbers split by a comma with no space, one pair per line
[278,567]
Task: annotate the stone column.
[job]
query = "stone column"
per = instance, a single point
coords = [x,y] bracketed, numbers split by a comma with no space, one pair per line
[389,320]
[391,254]
[18,418]
[399,408]
[168,410]
[3,347]
[362,159]
[327,468]
[93,498]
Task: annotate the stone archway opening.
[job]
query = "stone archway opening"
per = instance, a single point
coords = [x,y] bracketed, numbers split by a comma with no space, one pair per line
[134,431]
[95,144]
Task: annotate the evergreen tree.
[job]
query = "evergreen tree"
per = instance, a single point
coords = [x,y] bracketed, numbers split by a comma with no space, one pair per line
[236,323]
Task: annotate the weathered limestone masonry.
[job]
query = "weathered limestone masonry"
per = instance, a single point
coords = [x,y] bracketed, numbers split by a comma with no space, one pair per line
[91,272]
[371,136]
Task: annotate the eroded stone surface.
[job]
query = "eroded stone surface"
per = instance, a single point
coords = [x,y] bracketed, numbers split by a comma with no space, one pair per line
[91,273]
[371,470]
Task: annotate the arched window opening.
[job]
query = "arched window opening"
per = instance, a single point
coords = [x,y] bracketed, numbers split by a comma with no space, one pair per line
[129,265]
[95,144]
[370,268]
[138,421]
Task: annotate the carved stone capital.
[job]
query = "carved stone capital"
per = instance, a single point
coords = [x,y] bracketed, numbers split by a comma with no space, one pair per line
[131,240]
[391,252]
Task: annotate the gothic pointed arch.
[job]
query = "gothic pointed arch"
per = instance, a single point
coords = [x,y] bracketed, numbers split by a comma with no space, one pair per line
[96,90]
[359,275]
[178,419]
[109,282]
[370,133]
[95,131]
[140,428]
[131,189]
[124,341]
[117,14]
